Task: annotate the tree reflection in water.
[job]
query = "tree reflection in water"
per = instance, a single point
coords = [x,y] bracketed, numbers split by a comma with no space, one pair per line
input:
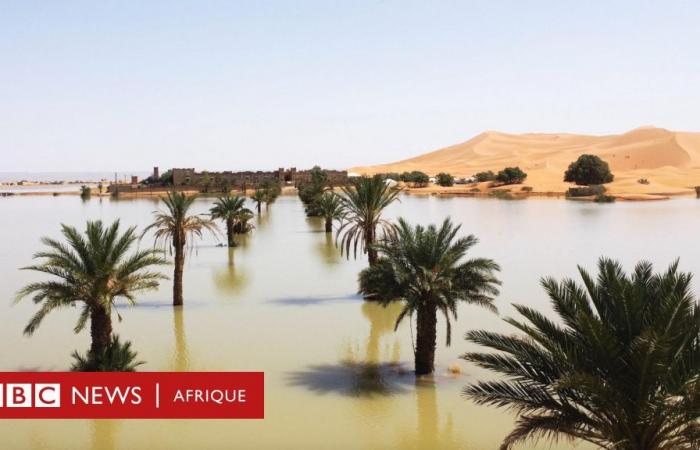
[103,431]
[231,279]
[377,373]
[181,357]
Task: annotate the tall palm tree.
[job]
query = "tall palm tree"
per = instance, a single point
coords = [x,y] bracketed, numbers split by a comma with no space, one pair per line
[231,210]
[259,197]
[363,203]
[173,228]
[94,269]
[424,269]
[619,366]
[330,208]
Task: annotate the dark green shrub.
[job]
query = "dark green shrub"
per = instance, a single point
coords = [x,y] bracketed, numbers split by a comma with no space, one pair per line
[511,175]
[445,179]
[587,170]
[415,178]
[586,191]
[118,357]
[603,198]
[485,176]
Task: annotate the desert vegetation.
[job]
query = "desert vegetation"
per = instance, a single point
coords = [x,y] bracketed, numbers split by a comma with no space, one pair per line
[424,269]
[618,366]
[363,203]
[511,175]
[444,179]
[94,269]
[232,211]
[588,170]
[175,228]
[415,178]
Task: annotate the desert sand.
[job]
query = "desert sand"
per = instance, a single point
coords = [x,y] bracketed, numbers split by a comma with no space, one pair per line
[669,160]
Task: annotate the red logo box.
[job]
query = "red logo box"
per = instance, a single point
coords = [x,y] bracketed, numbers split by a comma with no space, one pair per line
[135,395]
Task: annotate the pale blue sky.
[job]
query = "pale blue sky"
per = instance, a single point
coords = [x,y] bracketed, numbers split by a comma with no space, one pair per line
[118,85]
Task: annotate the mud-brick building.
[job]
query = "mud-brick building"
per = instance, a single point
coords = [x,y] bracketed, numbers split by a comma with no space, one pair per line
[190,177]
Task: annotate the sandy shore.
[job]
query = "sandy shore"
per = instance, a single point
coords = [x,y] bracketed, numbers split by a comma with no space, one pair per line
[667,161]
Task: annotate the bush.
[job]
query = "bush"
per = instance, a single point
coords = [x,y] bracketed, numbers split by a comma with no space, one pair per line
[526,189]
[643,181]
[85,192]
[117,357]
[511,175]
[485,176]
[415,178]
[587,170]
[603,198]
[445,179]
[586,191]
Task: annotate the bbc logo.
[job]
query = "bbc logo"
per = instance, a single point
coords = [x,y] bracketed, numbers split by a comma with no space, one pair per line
[28,395]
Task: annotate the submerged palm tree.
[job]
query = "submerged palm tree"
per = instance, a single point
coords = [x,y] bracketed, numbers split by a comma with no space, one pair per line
[117,357]
[173,228]
[259,197]
[424,268]
[619,368]
[94,269]
[231,210]
[363,203]
[330,208]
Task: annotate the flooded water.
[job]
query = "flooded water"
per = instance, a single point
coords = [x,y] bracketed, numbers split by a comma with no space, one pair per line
[284,302]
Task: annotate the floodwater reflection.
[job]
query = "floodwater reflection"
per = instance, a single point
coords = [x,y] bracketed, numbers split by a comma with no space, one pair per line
[103,431]
[181,357]
[377,373]
[429,432]
[230,279]
[326,248]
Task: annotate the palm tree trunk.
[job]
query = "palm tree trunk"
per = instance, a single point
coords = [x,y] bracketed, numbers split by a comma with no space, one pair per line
[259,207]
[230,225]
[369,242]
[329,225]
[100,330]
[177,275]
[426,335]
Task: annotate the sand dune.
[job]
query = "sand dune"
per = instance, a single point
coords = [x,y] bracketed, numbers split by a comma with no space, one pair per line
[669,160]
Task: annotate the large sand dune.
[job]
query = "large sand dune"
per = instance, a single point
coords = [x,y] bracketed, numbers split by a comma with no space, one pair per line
[669,160]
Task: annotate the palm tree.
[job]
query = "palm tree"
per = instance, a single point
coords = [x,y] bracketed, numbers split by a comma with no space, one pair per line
[173,228]
[619,366]
[259,197]
[272,189]
[363,203]
[118,357]
[330,207]
[424,269]
[93,269]
[231,210]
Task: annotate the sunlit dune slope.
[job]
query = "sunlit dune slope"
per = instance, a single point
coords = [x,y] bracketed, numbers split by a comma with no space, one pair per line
[669,160]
